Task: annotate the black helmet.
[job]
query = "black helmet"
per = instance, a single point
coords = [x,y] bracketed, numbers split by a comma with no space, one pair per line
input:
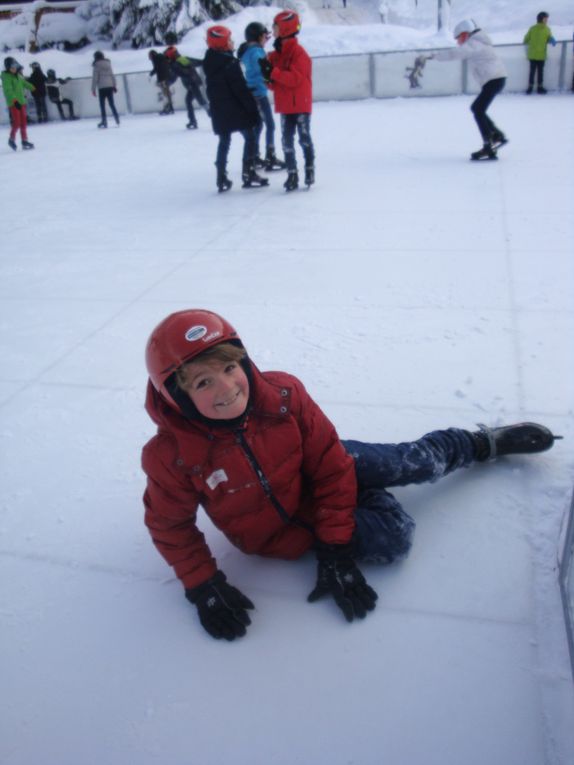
[35,65]
[171,38]
[254,31]
[10,62]
[51,74]
[98,56]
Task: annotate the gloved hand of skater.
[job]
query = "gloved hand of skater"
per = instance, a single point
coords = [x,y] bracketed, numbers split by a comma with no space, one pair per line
[552,41]
[339,576]
[222,608]
[17,105]
[266,68]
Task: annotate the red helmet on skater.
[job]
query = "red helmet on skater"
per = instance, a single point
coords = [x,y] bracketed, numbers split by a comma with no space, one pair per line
[180,338]
[218,37]
[287,23]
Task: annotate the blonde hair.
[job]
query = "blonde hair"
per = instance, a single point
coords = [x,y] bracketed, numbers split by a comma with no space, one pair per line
[223,352]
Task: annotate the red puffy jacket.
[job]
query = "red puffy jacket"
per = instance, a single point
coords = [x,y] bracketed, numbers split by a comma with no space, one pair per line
[291,79]
[270,486]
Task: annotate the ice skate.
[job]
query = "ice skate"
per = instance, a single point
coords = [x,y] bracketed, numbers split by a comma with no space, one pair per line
[250,178]
[191,126]
[487,152]
[529,90]
[272,162]
[292,182]
[542,90]
[309,175]
[522,438]
[223,182]
[26,145]
[102,124]
[12,144]
[498,139]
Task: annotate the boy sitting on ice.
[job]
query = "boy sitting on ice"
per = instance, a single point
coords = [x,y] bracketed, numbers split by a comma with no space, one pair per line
[268,468]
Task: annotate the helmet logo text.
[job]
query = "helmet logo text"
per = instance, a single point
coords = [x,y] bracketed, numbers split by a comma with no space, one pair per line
[195,333]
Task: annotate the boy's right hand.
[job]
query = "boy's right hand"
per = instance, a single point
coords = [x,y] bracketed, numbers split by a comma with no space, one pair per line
[221,607]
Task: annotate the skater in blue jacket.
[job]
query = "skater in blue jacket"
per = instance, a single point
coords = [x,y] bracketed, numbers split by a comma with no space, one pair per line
[250,52]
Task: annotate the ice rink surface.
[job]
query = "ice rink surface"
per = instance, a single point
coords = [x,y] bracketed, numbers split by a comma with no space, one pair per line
[410,289]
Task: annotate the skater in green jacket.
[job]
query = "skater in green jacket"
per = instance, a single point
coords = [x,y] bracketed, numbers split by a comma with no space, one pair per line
[14,85]
[537,39]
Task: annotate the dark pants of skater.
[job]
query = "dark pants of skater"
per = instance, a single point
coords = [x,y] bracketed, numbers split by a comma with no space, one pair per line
[249,147]
[481,103]
[107,94]
[384,531]
[536,68]
[266,115]
[302,124]
[60,102]
[41,108]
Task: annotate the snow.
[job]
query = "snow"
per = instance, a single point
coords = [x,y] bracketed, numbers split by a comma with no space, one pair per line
[409,290]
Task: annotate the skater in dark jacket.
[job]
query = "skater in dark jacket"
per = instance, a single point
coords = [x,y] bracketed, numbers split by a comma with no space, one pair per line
[233,108]
[104,84]
[475,46]
[185,68]
[53,86]
[267,466]
[14,87]
[38,80]
[162,72]
[288,72]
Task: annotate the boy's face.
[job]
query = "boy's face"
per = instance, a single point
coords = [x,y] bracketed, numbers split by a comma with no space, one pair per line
[219,389]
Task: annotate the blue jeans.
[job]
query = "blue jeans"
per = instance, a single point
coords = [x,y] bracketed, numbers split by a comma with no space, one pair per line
[302,124]
[384,531]
[249,147]
[266,119]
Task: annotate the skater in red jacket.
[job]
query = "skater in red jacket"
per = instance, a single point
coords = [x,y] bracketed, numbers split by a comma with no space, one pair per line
[288,73]
[267,466]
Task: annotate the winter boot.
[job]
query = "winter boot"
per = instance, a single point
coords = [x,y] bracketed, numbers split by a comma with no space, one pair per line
[223,182]
[487,152]
[272,162]
[292,182]
[522,438]
[497,139]
[542,90]
[309,175]
[12,144]
[529,90]
[27,145]
[250,178]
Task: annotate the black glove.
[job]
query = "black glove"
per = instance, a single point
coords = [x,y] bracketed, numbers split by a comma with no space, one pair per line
[17,105]
[338,575]
[221,607]
[266,68]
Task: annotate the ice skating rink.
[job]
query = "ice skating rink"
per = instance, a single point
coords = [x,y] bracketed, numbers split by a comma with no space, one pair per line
[410,289]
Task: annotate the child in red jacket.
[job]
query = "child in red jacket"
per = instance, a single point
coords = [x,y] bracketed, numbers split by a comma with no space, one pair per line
[265,463]
[287,72]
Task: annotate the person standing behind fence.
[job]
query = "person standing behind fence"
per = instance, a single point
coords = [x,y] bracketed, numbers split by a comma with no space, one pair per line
[537,39]
[161,70]
[38,80]
[13,86]
[104,82]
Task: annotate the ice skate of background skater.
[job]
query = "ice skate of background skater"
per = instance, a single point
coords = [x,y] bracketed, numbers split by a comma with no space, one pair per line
[475,46]
[267,466]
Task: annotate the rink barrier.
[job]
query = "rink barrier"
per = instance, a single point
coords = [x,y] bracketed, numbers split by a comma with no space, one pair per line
[346,77]
[566,576]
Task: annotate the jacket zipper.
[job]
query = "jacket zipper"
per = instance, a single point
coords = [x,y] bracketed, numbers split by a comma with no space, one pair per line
[285,517]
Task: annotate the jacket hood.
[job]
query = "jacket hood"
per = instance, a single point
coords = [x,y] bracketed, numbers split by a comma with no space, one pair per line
[217,60]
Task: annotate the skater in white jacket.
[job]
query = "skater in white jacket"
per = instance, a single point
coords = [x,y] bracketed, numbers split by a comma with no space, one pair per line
[475,46]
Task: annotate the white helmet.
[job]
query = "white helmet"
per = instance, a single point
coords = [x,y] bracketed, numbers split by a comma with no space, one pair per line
[466,25]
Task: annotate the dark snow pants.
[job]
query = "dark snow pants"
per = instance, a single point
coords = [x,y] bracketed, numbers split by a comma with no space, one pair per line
[481,103]
[384,531]
[249,148]
[302,124]
[536,68]
[107,94]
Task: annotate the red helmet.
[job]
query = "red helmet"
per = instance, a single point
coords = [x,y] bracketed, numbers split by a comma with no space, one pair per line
[288,23]
[178,339]
[218,38]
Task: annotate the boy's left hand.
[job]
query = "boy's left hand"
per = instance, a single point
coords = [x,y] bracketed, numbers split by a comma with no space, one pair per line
[339,576]
[266,68]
